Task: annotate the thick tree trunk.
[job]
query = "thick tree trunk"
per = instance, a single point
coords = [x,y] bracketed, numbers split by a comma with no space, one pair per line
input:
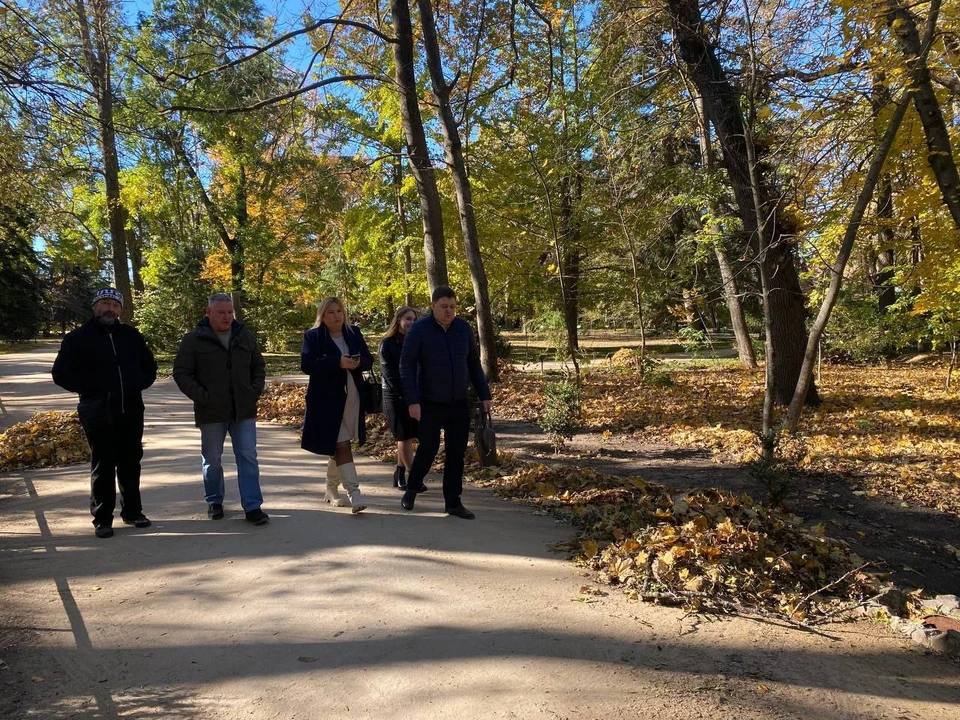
[903,25]
[453,150]
[434,249]
[788,313]
[97,55]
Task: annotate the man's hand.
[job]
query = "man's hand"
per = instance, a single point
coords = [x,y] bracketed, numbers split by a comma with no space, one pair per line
[486,405]
[414,411]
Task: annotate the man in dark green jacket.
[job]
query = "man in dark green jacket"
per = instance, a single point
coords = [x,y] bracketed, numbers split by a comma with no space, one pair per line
[221,369]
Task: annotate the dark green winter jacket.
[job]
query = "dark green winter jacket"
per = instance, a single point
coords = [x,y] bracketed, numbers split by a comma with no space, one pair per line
[224,385]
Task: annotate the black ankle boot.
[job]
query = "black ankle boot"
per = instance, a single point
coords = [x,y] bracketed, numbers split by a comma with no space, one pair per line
[399,481]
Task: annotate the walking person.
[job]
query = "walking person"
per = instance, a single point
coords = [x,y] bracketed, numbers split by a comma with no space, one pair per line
[438,361]
[403,427]
[335,355]
[109,365]
[221,369]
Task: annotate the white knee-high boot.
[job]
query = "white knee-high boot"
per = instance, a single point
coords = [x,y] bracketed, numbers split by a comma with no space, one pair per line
[333,480]
[348,475]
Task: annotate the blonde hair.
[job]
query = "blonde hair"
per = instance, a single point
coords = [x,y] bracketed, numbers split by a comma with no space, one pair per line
[325,305]
[397,316]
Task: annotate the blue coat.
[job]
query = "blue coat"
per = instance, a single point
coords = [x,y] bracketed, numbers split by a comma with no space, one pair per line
[436,365]
[327,391]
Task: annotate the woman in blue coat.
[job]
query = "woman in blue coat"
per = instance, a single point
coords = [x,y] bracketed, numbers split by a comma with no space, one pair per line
[334,355]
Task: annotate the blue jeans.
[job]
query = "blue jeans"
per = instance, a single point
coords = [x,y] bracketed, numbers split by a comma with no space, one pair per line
[243,436]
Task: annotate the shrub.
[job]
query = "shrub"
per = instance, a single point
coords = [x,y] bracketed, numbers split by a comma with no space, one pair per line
[693,340]
[561,412]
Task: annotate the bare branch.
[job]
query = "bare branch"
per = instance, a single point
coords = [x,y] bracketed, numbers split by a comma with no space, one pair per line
[289,36]
[276,98]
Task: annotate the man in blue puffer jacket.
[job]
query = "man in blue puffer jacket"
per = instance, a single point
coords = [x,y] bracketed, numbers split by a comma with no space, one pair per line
[438,362]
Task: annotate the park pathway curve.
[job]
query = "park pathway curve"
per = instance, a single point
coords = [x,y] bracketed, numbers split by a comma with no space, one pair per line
[322,614]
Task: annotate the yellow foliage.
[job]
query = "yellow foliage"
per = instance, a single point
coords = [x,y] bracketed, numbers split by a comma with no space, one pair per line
[46,439]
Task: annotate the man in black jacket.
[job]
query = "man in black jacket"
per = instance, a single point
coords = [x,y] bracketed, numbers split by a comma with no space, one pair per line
[109,365]
[221,369]
[438,361]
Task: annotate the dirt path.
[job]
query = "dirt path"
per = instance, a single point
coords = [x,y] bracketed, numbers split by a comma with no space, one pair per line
[321,614]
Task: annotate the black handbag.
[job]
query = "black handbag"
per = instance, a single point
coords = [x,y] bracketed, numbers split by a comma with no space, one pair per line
[372,393]
[485,439]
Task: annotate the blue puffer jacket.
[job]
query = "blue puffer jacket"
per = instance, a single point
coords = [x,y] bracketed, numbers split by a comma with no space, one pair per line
[436,365]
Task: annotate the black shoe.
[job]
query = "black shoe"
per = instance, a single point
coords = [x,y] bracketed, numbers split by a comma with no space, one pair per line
[408,499]
[140,521]
[258,517]
[398,480]
[102,530]
[215,511]
[423,488]
[460,512]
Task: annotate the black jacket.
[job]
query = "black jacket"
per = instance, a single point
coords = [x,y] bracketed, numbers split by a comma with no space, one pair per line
[390,350]
[100,361]
[223,384]
[327,390]
[436,365]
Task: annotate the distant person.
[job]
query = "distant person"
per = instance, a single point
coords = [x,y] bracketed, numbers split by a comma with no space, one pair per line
[221,369]
[438,361]
[335,355]
[403,427]
[109,365]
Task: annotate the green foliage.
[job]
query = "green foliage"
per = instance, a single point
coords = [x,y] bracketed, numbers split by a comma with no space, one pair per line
[69,290]
[21,310]
[561,412]
[176,299]
[280,323]
[552,325]
[693,340]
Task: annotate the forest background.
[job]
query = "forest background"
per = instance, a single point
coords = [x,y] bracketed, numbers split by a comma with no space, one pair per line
[784,170]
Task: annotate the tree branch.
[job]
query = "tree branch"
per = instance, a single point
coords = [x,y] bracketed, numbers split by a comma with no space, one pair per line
[275,99]
[289,36]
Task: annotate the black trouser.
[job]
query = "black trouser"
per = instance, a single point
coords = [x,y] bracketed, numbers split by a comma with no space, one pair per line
[116,448]
[454,419]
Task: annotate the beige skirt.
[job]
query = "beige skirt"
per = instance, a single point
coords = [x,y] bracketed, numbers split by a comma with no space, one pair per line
[350,424]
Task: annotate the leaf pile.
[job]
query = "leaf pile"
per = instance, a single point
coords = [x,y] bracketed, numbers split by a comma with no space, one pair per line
[895,430]
[282,403]
[704,549]
[47,439]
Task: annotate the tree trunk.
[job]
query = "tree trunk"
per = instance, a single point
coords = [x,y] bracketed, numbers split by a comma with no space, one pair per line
[738,321]
[731,291]
[571,187]
[453,150]
[238,268]
[883,278]
[229,243]
[787,327]
[136,257]
[97,54]
[903,25]
[434,249]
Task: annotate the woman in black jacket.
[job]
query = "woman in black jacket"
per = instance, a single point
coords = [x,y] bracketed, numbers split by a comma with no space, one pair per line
[403,426]
[335,355]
